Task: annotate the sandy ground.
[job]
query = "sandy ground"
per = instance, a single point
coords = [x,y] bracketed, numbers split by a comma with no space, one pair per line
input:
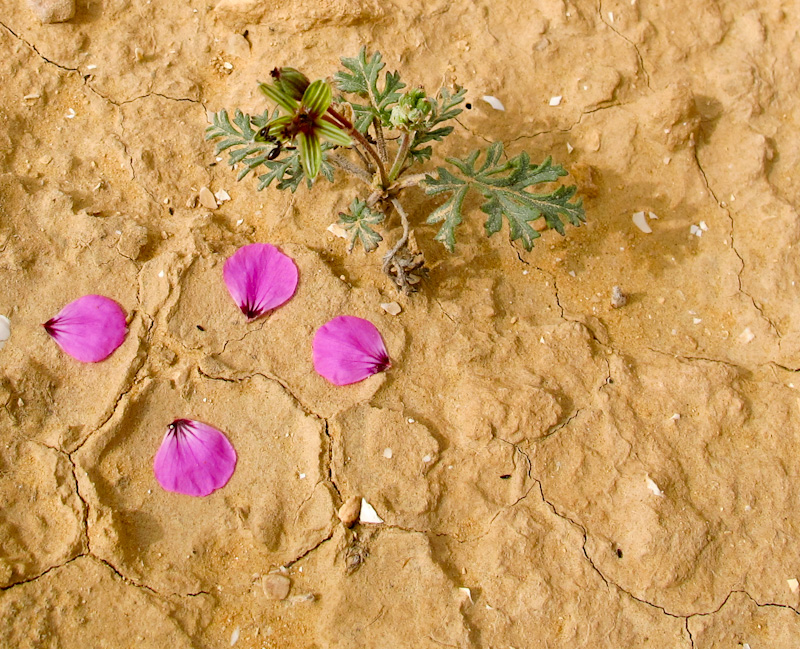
[595,477]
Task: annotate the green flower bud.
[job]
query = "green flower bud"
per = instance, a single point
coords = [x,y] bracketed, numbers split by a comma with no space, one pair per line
[412,110]
[292,82]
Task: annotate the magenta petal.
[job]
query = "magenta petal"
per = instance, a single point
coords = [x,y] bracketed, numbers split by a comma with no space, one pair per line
[259,278]
[349,349]
[89,329]
[194,459]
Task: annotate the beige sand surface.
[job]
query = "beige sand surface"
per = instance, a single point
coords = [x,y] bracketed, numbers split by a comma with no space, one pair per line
[562,473]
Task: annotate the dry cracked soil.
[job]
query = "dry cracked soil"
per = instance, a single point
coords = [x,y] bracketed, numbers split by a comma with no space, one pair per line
[561,474]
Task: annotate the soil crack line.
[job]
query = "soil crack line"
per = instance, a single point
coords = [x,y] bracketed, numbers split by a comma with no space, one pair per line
[38,53]
[639,57]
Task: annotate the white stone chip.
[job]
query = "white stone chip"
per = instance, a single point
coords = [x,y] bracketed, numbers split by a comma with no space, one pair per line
[746,336]
[392,308]
[222,196]
[676,416]
[640,222]
[337,230]
[387,453]
[556,100]
[207,198]
[466,591]
[703,226]
[696,231]
[652,215]
[5,330]
[368,514]
[161,273]
[652,486]
[570,148]
[794,585]
[235,635]
[494,102]
[70,113]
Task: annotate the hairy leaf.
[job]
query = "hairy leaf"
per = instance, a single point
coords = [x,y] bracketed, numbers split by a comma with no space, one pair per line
[357,223]
[445,107]
[363,80]
[239,139]
[504,186]
[288,172]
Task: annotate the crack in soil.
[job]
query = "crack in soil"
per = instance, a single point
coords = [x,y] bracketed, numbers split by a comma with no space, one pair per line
[639,57]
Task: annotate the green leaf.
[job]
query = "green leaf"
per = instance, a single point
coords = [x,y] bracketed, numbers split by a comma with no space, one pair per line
[362,80]
[357,223]
[504,186]
[332,133]
[287,172]
[240,138]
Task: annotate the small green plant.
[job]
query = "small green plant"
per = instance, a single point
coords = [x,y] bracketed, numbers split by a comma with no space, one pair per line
[377,131]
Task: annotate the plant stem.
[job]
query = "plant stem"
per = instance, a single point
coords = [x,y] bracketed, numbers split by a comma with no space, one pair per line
[405,144]
[389,257]
[347,166]
[409,181]
[352,132]
[367,164]
[376,124]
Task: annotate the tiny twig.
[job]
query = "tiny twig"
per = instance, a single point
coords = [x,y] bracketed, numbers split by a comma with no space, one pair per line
[345,165]
[409,181]
[354,133]
[376,124]
[367,164]
[405,144]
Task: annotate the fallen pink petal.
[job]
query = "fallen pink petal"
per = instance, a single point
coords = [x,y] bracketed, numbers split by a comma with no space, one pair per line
[195,459]
[349,349]
[259,278]
[89,329]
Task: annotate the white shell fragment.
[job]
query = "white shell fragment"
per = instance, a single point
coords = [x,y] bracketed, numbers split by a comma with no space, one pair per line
[746,336]
[555,101]
[5,330]
[368,514]
[640,221]
[222,196]
[392,308]
[570,148]
[652,486]
[337,230]
[207,199]
[467,592]
[235,635]
[695,230]
[494,102]
[387,453]
[793,584]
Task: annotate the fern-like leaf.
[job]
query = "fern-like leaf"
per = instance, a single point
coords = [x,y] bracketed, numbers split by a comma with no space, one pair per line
[357,222]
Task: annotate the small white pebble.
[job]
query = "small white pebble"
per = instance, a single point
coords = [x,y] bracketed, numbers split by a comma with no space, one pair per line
[667,160]
[570,148]
[746,336]
[697,320]
[410,420]
[227,66]
[794,585]
[205,399]
[676,416]
[618,298]
[427,459]
[91,66]
[572,273]
[235,635]
[240,221]
[524,272]
[218,158]
[467,592]
[494,102]
[652,486]
[222,196]
[207,199]
[652,215]
[555,101]
[392,308]
[342,277]
[387,453]
[611,16]
[70,113]
[368,514]
[302,476]
[161,273]
[5,330]
[703,226]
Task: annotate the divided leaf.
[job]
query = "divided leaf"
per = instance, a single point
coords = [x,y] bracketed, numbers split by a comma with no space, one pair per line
[288,173]
[357,223]
[241,142]
[362,80]
[504,188]
[445,107]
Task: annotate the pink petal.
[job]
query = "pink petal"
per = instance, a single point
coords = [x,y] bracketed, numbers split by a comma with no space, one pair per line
[349,349]
[89,329]
[194,459]
[259,278]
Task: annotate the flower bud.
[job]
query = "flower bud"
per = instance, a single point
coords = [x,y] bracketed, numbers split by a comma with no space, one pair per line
[291,81]
[412,110]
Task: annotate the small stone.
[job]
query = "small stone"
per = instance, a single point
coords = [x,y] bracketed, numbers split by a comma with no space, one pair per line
[349,511]
[746,336]
[618,298]
[337,230]
[368,514]
[138,54]
[191,202]
[276,587]
[207,198]
[53,11]
[5,330]
[222,196]
[387,453]
[793,584]
[392,308]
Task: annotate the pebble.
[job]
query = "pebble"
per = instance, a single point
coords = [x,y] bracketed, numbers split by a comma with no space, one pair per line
[392,308]
[276,586]
[368,514]
[349,511]
[53,11]
[207,198]
[5,330]
[494,102]
[222,196]
[618,298]
[337,230]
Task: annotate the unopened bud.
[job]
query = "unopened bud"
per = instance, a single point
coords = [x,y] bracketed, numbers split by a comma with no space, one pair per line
[412,110]
[291,81]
